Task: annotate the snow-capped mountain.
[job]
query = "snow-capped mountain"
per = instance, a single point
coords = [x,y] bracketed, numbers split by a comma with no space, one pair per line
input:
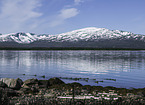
[93,33]
[86,37]
[18,37]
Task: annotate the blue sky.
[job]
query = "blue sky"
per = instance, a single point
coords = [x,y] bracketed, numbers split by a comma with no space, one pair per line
[58,16]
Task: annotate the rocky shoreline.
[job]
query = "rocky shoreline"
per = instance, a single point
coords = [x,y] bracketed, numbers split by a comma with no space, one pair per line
[55,92]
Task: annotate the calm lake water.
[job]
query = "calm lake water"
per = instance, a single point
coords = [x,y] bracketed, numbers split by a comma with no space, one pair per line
[110,68]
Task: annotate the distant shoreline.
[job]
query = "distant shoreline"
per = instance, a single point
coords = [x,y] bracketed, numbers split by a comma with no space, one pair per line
[67,48]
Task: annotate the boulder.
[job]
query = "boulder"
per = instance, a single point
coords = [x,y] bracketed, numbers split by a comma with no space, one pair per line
[43,83]
[55,81]
[25,86]
[12,83]
[142,93]
[76,84]
[8,92]
[11,92]
[27,89]
[31,82]
[34,90]
[3,85]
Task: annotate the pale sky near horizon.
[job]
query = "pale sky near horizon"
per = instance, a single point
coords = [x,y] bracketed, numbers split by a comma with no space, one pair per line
[58,16]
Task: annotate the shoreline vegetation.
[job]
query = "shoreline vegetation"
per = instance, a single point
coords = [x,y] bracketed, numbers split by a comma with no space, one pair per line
[66,48]
[54,91]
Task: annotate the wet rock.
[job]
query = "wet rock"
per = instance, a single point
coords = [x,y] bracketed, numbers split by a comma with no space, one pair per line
[76,84]
[4,99]
[10,92]
[30,86]
[24,90]
[43,83]
[12,83]
[3,85]
[25,86]
[30,82]
[142,93]
[31,90]
[34,90]
[55,81]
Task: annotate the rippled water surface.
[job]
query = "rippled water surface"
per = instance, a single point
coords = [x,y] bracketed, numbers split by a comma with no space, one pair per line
[105,67]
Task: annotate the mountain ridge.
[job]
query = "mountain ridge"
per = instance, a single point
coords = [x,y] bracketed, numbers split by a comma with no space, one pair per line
[87,37]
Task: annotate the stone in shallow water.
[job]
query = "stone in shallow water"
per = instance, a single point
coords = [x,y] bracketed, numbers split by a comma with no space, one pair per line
[12,83]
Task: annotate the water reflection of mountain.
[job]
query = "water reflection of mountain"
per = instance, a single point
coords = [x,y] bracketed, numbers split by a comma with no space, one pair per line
[92,62]
[43,55]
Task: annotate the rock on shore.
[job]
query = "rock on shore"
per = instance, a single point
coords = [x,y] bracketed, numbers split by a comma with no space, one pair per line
[55,91]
